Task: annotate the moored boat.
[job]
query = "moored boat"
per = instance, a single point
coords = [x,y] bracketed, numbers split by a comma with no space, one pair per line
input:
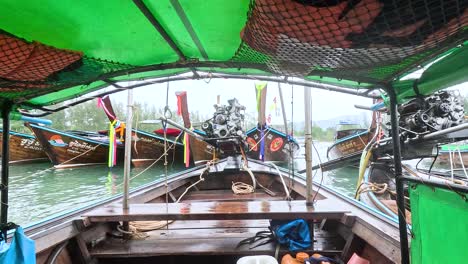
[269,144]
[350,138]
[378,188]
[453,155]
[200,150]
[24,148]
[265,142]
[148,149]
[73,149]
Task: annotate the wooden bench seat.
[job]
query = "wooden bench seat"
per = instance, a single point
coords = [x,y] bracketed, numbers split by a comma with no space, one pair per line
[217,210]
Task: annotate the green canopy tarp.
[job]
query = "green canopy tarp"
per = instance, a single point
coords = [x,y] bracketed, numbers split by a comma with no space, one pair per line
[439,225]
[51,51]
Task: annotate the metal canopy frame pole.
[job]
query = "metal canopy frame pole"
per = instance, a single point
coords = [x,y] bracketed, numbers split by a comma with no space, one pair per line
[5,164]
[321,86]
[128,153]
[398,176]
[283,110]
[147,13]
[308,144]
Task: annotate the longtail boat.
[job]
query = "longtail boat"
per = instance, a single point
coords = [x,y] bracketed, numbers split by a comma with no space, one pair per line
[453,155]
[200,151]
[350,138]
[24,148]
[73,148]
[265,142]
[370,48]
[378,189]
[148,149]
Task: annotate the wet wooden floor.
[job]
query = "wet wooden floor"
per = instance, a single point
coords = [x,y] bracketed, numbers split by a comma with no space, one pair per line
[208,237]
[217,210]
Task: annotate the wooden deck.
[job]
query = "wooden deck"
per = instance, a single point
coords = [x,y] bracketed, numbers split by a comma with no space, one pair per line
[208,237]
[218,210]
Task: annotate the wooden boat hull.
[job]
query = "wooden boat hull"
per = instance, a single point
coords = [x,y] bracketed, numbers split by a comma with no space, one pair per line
[24,148]
[210,220]
[67,150]
[349,145]
[444,158]
[148,149]
[276,146]
[381,177]
[201,151]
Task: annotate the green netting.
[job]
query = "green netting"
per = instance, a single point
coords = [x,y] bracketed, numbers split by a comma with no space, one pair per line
[367,41]
[439,224]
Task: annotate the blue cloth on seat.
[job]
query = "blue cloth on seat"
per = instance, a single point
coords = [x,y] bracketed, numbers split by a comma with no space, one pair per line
[294,234]
[21,250]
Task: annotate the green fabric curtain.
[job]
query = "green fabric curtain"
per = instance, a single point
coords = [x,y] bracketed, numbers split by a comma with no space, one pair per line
[440,225]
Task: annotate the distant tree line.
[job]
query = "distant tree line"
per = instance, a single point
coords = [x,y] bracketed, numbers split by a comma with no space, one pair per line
[318,133]
[88,117]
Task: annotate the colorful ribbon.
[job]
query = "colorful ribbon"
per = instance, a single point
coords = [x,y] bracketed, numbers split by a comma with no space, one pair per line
[112,145]
[186,141]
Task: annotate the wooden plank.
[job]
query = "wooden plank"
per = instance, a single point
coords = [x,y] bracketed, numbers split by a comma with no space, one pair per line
[206,224]
[218,195]
[216,210]
[196,242]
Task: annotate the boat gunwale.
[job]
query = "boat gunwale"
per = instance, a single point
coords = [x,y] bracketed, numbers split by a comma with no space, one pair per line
[103,143]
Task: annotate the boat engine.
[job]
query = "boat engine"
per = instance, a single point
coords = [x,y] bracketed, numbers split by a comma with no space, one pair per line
[424,115]
[226,121]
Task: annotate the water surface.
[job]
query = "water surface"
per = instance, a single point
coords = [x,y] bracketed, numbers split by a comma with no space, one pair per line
[38,191]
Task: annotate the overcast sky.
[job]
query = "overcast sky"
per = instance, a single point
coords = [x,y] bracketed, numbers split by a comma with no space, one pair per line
[202,95]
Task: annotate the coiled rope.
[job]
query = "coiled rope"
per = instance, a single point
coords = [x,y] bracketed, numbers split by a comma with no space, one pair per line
[377,188]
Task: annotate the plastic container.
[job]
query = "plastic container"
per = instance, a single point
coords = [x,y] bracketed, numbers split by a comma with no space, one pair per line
[260,259]
[356,259]
[299,259]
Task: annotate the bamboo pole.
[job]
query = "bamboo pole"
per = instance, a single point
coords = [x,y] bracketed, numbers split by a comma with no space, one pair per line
[283,110]
[308,144]
[128,146]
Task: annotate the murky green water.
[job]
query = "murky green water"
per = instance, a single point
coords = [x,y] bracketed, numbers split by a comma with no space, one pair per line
[37,191]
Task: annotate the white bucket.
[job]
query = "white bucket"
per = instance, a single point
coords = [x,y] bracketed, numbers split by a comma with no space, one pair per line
[260,259]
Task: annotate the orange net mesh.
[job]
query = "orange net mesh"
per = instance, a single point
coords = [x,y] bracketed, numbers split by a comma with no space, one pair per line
[372,38]
[23,61]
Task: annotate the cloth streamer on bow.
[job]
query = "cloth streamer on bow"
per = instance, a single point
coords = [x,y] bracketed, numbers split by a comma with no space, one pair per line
[112,145]
[186,150]
[100,104]
[261,155]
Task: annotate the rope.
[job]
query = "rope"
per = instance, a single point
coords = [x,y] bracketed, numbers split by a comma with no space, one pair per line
[261,139]
[207,168]
[242,188]
[288,196]
[377,188]
[137,230]
[152,164]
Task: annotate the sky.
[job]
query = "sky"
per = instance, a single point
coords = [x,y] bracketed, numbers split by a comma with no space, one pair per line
[202,95]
